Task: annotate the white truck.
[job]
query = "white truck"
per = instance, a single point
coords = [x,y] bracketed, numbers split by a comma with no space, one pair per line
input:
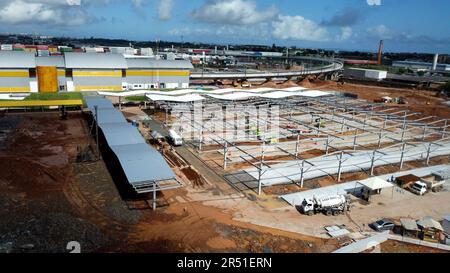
[330,205]
[175,138]
[419,188]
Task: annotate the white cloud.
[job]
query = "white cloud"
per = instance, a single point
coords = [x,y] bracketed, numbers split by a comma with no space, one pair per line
[346,33]
[374,2]
[58,12]
[165,9]
[381,31]
[298,28]
[233,12]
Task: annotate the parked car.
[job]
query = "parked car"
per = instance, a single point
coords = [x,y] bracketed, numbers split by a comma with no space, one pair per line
[382,225]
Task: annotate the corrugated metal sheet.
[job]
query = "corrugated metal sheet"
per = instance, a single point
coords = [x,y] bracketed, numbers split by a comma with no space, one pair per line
[95,60]
[109,115]
[155,64]
[409,224]
[17,59]
[121,134]
[57,61]
[100,102]
[141,163]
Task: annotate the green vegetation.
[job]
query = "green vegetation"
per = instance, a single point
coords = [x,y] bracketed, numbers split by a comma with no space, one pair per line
[55,96]
[136,98]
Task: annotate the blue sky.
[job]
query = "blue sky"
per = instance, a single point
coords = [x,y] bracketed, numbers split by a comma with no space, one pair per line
[405,25]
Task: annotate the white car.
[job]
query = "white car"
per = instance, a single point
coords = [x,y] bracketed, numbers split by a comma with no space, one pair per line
[419,188]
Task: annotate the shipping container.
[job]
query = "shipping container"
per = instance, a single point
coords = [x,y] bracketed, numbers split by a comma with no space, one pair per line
[43,53]
[42,47]
[6,47]
[53,49]
[66,49]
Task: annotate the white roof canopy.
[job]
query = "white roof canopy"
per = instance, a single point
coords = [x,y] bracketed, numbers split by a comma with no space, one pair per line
[375,183]
[185,98]
[428,222]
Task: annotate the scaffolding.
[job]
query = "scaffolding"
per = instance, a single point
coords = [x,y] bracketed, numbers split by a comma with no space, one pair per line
[322,136]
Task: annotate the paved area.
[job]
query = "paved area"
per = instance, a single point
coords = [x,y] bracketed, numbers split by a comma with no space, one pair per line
[344,188]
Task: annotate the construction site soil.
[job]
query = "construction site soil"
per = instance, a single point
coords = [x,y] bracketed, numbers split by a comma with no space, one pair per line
[423,101]
[48,199]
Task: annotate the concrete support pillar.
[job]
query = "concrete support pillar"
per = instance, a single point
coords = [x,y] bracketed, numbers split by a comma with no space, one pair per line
[365,122]
[372,163]
[424,134]
[225,155]
[343,125]
[297,146]
[428,153]
[403,130]
[380,136]
[302,174]
[354,140]
[327,143]
[261,167]
[445,128]
[340,167]
[402,155]
[200,145]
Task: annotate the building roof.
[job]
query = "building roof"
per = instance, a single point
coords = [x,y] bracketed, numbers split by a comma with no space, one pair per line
[121,134]
[57,61]
[446,224]
[95,60]
[96,101]
[442,174]
[155,64]
[184,98]
[142,163]
[17,59]
[428,222]
[109,115]
[143,166]
[375,183]
[409,224]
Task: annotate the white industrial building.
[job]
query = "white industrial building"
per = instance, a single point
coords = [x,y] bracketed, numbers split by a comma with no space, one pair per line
[365,73]
[421,65]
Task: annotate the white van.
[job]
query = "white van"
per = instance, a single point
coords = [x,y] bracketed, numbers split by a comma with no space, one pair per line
[175,138]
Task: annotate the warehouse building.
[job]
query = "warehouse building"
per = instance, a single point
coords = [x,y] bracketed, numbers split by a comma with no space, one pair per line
[93,71]
[23,72]
[421,65]
[145,73]
[17,72]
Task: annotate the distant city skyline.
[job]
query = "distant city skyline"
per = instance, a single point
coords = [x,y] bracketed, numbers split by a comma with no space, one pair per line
[406,26]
